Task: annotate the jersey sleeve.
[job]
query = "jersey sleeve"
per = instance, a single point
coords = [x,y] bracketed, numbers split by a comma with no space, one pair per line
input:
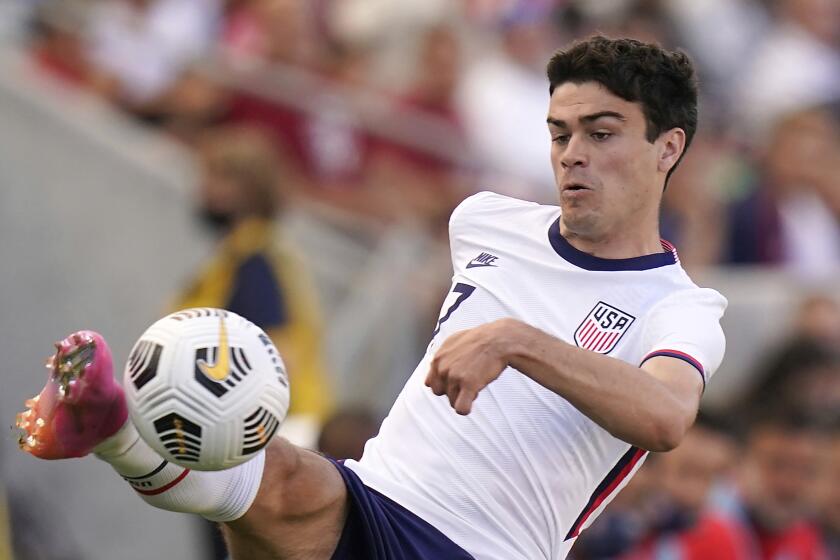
[472,222]
[686,326]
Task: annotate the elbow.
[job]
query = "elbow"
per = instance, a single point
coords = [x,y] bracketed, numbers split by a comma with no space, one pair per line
[665,437]
[669,423]
[658,435]
[668,430]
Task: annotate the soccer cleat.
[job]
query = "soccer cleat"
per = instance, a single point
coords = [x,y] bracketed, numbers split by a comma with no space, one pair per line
[80,406]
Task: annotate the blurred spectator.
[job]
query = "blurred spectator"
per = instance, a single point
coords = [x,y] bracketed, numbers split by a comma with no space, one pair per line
[804,374]
[344,434]
[337,147]
[503,100]
[793,217]
[683,527]
[739,27]
[146,45]
[796,64]
[407,183]
[625,520]
[643,20]
[777,487]
[818,318]
[664,511]
[436,72]
[362,155]
[254,273]
[316,121]
[259,33]
[693,209]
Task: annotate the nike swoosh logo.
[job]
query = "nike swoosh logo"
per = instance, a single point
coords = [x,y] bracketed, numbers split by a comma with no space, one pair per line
[221,369]
[476,265]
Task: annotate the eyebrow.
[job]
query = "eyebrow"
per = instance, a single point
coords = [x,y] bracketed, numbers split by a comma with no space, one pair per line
[587,118]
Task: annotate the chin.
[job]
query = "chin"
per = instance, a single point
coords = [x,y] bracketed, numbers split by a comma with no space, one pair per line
[581,224]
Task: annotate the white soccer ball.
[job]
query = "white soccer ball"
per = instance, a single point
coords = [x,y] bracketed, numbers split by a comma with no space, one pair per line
[206,388]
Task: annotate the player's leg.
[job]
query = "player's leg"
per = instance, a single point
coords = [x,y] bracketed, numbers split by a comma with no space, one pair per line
[299,511]
[284,503]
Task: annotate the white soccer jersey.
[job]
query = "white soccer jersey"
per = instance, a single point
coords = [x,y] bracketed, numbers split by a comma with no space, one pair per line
[525,471]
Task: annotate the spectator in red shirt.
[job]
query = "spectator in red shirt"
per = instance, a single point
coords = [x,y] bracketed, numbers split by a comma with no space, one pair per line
[777,487]
[682,527]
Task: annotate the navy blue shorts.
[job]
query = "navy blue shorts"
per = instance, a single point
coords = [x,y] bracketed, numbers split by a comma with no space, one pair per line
[378,528]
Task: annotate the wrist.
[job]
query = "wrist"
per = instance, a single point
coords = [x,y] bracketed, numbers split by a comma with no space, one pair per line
[509,339]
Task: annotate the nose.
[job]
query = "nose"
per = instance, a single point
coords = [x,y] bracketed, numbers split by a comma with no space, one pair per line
[574,154]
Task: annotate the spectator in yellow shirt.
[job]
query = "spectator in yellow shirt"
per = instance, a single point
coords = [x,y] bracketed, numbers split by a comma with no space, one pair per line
[254,272]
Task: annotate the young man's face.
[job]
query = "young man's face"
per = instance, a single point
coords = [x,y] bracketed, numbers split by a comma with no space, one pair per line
[610,178]
[780,474]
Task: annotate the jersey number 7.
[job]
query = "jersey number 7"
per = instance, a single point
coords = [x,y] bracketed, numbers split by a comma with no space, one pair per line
[460,292]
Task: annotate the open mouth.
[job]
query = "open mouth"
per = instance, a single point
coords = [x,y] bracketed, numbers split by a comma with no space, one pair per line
[573,187]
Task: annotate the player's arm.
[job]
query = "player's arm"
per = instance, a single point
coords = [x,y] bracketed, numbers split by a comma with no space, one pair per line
[651,407]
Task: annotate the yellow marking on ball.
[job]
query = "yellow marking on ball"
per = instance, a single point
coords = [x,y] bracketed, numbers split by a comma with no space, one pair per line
[179,435]
[221,369]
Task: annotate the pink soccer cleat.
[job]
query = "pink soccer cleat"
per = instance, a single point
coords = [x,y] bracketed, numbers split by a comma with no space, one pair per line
[81,405]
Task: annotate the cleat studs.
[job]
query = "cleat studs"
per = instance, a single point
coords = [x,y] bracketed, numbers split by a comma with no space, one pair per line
[22,419]
[31,441]
[21,435]
[19,420]
[40,422]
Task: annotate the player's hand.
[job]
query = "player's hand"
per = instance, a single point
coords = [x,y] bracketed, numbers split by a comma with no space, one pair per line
[468,361]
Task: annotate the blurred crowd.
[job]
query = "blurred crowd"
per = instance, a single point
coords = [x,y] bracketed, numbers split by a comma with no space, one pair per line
[392,112]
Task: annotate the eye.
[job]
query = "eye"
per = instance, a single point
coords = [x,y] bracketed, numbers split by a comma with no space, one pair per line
[561,139]
[601,136]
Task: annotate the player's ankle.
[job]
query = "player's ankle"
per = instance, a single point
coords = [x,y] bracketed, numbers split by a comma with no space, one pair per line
[129,455]
[118,443]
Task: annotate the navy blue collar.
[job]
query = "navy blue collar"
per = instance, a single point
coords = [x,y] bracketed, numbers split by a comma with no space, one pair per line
[590,262]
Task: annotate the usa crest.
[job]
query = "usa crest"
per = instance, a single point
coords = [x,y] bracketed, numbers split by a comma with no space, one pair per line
[601,330]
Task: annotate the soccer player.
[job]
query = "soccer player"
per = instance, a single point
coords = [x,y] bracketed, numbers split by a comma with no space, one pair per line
[571,344]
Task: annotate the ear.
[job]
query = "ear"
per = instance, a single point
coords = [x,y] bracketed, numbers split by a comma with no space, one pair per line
[671,146]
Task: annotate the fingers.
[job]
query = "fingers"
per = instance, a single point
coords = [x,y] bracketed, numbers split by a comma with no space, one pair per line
[460,397]
[453,388]
[458,378]
[436,380]
[463,402]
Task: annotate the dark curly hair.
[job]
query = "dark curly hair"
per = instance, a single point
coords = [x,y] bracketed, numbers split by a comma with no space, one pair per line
[662,81]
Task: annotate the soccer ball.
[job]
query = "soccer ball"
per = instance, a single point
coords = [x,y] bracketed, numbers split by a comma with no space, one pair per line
[206,388]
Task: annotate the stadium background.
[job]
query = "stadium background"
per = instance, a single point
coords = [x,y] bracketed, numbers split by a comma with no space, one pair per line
[384,115]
